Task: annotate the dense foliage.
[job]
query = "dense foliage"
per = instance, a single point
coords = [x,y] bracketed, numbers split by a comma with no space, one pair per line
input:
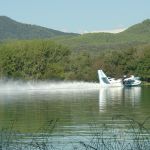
[33,60]
[44,59]
[128,62]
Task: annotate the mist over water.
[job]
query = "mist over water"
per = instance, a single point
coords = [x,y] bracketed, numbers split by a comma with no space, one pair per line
[51,86]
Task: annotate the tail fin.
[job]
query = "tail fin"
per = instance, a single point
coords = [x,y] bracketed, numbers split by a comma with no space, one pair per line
[103,79]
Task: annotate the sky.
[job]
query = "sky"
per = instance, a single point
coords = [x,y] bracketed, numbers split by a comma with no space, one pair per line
[79,16]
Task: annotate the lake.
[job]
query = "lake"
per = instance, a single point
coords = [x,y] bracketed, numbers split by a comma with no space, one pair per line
[68,113]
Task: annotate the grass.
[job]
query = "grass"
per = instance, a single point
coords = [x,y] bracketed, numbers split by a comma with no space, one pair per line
[14,140]
[130,135]
[135,136]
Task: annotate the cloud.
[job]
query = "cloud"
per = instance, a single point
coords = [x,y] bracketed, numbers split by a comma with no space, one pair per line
[118,30]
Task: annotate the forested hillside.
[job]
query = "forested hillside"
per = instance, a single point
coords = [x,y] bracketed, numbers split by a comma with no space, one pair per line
[136,35]
[44,59]
[10,29]
[66,56]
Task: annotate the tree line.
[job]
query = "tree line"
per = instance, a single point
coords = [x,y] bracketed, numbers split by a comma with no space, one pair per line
[47,60]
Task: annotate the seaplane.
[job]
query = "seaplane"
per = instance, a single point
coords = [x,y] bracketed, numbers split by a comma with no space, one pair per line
[112,82]
[132,81]
[107,81]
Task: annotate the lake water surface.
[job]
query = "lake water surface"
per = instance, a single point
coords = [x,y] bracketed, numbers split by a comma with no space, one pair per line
[69,110]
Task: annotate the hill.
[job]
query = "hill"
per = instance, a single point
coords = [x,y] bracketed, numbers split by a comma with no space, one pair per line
[94,42]
[136,35]
[10,29]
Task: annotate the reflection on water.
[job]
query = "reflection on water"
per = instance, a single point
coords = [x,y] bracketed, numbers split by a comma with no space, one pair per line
[109,95]
[118,95]
[75,105]
[32,109]
[134,93]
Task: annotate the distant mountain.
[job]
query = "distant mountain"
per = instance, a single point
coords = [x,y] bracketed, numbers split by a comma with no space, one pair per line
[10,29]
[94,42]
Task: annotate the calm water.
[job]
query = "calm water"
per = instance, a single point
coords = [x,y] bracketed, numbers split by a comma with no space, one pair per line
[76,107]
